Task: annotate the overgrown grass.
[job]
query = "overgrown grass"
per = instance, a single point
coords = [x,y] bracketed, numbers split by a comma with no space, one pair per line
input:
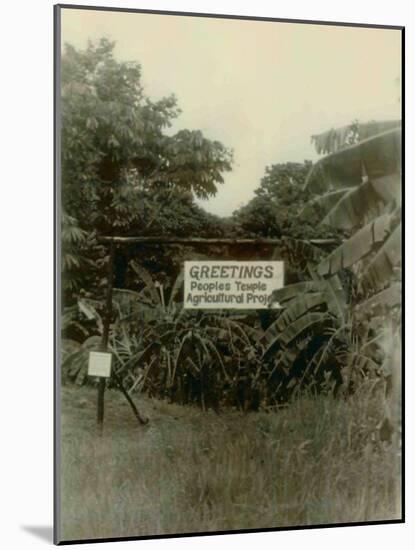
[319,461]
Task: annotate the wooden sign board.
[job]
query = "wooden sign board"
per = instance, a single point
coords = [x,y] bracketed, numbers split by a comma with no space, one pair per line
[231,284]
[99,364]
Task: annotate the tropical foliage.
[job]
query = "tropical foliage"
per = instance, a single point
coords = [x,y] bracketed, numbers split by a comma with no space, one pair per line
[328,333]
[120,165]
[357,286]
[275,209]
[338,221]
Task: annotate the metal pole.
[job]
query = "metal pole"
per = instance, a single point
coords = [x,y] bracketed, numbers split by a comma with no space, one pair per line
[105,336]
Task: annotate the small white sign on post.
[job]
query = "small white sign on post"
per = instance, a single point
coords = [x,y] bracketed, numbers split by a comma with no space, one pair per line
[99,364]
[231,284]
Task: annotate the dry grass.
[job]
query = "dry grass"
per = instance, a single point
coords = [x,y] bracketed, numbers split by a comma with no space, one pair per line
[320,461]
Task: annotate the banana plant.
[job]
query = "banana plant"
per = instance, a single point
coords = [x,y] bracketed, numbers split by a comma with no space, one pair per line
[360,188]
[359,183]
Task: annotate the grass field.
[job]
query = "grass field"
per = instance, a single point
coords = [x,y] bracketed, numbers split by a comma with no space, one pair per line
[321,460]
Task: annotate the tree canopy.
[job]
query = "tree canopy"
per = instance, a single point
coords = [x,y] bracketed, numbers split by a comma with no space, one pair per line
[121,171]
[276,209]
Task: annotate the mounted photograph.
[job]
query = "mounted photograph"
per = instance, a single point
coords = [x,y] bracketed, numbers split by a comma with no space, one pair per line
[228,274]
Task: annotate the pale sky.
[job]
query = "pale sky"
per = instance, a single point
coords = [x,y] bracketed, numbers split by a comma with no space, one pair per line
[261,88]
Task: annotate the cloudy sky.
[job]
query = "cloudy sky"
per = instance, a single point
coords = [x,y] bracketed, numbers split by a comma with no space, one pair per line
[262,88]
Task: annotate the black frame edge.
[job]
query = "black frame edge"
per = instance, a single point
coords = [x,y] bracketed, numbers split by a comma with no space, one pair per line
[230,16]
[56,274]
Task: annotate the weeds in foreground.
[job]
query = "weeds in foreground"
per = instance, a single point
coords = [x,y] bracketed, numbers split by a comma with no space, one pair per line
[319,461]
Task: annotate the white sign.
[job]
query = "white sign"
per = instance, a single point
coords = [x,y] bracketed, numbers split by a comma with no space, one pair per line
[99,363]
[231,284]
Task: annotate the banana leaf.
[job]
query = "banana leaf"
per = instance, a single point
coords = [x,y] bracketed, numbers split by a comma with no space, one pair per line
[357,247]
[288,292]
[273,336]
[176,287]
[362,203]
[381,301]
[373,158]
[382,267]
[298,307]
[148,281]
[337,138]
[324,203]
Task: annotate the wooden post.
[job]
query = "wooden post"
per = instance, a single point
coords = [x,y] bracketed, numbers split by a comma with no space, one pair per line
[100,405]
[141,419]
[105,337]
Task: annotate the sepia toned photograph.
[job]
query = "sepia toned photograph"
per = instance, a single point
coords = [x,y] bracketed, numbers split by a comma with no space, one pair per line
[228,196]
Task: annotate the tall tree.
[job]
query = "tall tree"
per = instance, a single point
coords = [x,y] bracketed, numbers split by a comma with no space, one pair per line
[119,166]
[279,200]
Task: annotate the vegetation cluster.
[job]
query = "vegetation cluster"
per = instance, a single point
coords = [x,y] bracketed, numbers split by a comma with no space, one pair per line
[338,221]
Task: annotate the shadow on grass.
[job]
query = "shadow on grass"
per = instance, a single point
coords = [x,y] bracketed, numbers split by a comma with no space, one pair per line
[44,532]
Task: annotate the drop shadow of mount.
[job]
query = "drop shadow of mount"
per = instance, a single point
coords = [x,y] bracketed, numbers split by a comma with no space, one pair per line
[44,532]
